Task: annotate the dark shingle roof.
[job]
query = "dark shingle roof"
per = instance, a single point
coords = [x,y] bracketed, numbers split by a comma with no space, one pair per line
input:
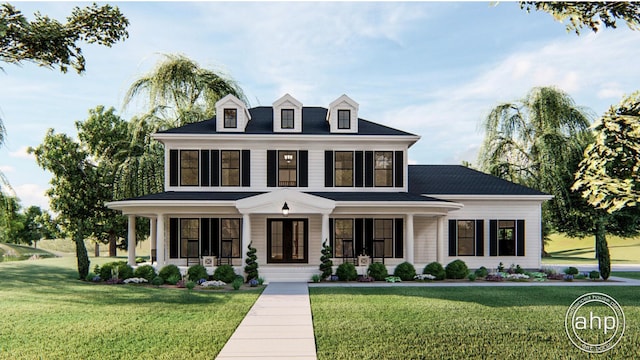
[313,123]
[460,180]
[197,195]
[373,196]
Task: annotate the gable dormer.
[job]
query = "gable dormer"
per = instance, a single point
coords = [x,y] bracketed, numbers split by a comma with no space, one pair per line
[287,115]
[231,115]
[343,115]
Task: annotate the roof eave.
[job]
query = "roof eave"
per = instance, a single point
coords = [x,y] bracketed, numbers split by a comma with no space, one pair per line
[454,197]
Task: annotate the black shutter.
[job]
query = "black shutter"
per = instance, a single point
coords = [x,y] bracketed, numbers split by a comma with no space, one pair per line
[215,167]
[332,235]
[368,168]
[358,170]
[272,168]
[399,238]
[205,237]
[328,168]
[398,167]
[519,237]
[215,237]
[246,168]
[204,168]
[173,167]
[174,233]
[358,234]
[493,237]
[453,237]
[303,168]
[368,236]
[479,237]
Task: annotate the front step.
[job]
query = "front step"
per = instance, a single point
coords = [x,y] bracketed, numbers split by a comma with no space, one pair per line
[288,273]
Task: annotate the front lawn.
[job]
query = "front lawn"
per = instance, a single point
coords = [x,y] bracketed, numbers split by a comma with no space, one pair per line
[627,274]
[566,250]
[457,323]
[48,314]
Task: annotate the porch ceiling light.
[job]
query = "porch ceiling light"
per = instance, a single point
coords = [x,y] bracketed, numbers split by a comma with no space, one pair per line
[285,209]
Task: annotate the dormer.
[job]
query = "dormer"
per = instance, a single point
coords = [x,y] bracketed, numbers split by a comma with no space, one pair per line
[231,115]
[343,115]
[287,115]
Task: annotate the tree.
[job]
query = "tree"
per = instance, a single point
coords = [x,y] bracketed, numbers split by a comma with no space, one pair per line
[589,14]
[531,141]
[251,268]
[11,220]
[326,265]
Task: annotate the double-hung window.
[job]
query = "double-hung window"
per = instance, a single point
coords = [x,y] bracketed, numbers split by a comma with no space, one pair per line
[230,118]
[189,167]
[230,167]
[287,168]
[383,168]
[344,119]
[344,168]
[287,118]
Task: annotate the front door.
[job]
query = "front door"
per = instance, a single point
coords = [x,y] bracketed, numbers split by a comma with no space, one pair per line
[287,240]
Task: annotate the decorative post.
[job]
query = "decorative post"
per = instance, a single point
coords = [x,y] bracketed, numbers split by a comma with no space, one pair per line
[131,240]
[246,236]
[153,239]
[409,238]
[160,262]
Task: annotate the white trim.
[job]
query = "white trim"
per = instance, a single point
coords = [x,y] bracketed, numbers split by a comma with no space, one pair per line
[272,202]
[492,197]
[341,138]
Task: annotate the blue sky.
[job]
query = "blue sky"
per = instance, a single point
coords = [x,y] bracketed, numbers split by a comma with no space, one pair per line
[431,68]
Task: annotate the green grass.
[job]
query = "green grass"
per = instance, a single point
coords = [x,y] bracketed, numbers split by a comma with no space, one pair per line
[566,250]
[48,314]
[20,252]
[627,274]
[68,246]
[457,323]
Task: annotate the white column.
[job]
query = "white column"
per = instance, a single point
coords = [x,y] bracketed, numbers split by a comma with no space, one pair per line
[440,239]
[409,239]
[246,237]
[160,239]
[325,229]
[131,240]
[152,237]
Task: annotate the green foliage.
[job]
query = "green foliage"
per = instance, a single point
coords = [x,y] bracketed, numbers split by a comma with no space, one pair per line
[435,269]
[481,272]
[594,275]
[472,277]
[571,271]
[251,269]
[224,273]
[157,281]
[326,264]
[190,285]
[169,270]
[237,283]
[316,278]
[145,271]
[346,272]
[405,271]
[197,272]
[456,269]
[378,271]
[90,276]
[173,279]
[116,269]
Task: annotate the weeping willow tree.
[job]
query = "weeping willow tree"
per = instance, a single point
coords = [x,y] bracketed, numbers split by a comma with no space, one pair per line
[176,92]
[533,142]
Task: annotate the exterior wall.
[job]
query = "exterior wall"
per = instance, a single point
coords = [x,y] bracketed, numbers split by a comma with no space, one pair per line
[425,241]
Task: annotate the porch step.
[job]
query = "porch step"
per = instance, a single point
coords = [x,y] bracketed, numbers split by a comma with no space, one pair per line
[288,273]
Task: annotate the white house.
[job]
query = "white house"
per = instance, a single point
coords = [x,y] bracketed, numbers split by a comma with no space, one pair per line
[286,178]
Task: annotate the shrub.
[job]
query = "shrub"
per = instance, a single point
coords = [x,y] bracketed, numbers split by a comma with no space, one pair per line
[472,277]
[260,281]
[326,265]
[145,271]
[168,271]
[140,260]
[347,272]
[315,278]
[237,283]
[224,273]
[456,269]
[197,272]
[190,285]
[481,272]
[435,269]
[405,271]
[91,276]
[377,271]
[501,267]
[571,271]
[252,264]
[157,281]
[173,279]
[119,269]
[594,275]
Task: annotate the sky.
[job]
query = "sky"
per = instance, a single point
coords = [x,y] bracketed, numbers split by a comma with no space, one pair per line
[434,69]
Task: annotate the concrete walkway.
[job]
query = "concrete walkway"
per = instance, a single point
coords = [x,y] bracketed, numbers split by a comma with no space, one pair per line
[278,326]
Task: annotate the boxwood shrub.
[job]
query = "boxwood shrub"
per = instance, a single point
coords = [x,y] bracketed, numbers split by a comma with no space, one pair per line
[377,271]
[456,269]
[435,269]
[169,271]
[197,272]
[145,271]
[405,271]
[347,272]
[224,273]
[481,272]
[124,270]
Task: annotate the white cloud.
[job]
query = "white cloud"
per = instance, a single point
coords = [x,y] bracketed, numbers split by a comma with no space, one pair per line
[21,153]
[32,194]
[7,168]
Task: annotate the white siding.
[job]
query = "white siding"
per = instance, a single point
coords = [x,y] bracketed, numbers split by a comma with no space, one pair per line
[425,240]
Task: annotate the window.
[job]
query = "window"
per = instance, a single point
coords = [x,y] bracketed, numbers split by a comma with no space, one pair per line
[230,167]
[287,168]
[230,118]
[189,235]
[466,237]
[230,238]
[344,119]
[189,167]
[344,238]
[287,119]
[383,238]
[383,168]
[506,238]
[344,168]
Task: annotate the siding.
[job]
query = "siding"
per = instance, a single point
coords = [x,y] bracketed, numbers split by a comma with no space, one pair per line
[424,240]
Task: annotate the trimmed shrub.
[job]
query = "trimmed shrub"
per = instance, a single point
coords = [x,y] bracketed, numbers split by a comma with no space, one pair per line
[456,269]
[190,285]
[146,272]
[405,271]
[594,275]
[571,271]
[224,273]
[435,269]
[197,272]
[237,283]
[472,277]
[481,272]
[119,268]
[169,271]
[251,269]
[326,264]
[157,281]
[377,271]
[173,279]
[347,272]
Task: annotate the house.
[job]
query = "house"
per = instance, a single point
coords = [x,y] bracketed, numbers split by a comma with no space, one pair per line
[286,178]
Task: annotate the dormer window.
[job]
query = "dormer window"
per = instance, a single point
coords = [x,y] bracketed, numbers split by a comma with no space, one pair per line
[287,117]
[344,119]
[230,118]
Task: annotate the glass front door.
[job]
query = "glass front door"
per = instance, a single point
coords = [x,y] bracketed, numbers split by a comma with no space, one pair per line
[287,240]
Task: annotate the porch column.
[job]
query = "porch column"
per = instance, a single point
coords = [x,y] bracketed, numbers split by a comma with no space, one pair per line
[440,238]
[160,262]
[325,229]
[409,239]
[131,240]
[246,237]
[152,239]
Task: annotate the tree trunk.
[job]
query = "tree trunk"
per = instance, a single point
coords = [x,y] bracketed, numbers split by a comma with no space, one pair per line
[96,252]
[81,255]
[112,245]
[602,250]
